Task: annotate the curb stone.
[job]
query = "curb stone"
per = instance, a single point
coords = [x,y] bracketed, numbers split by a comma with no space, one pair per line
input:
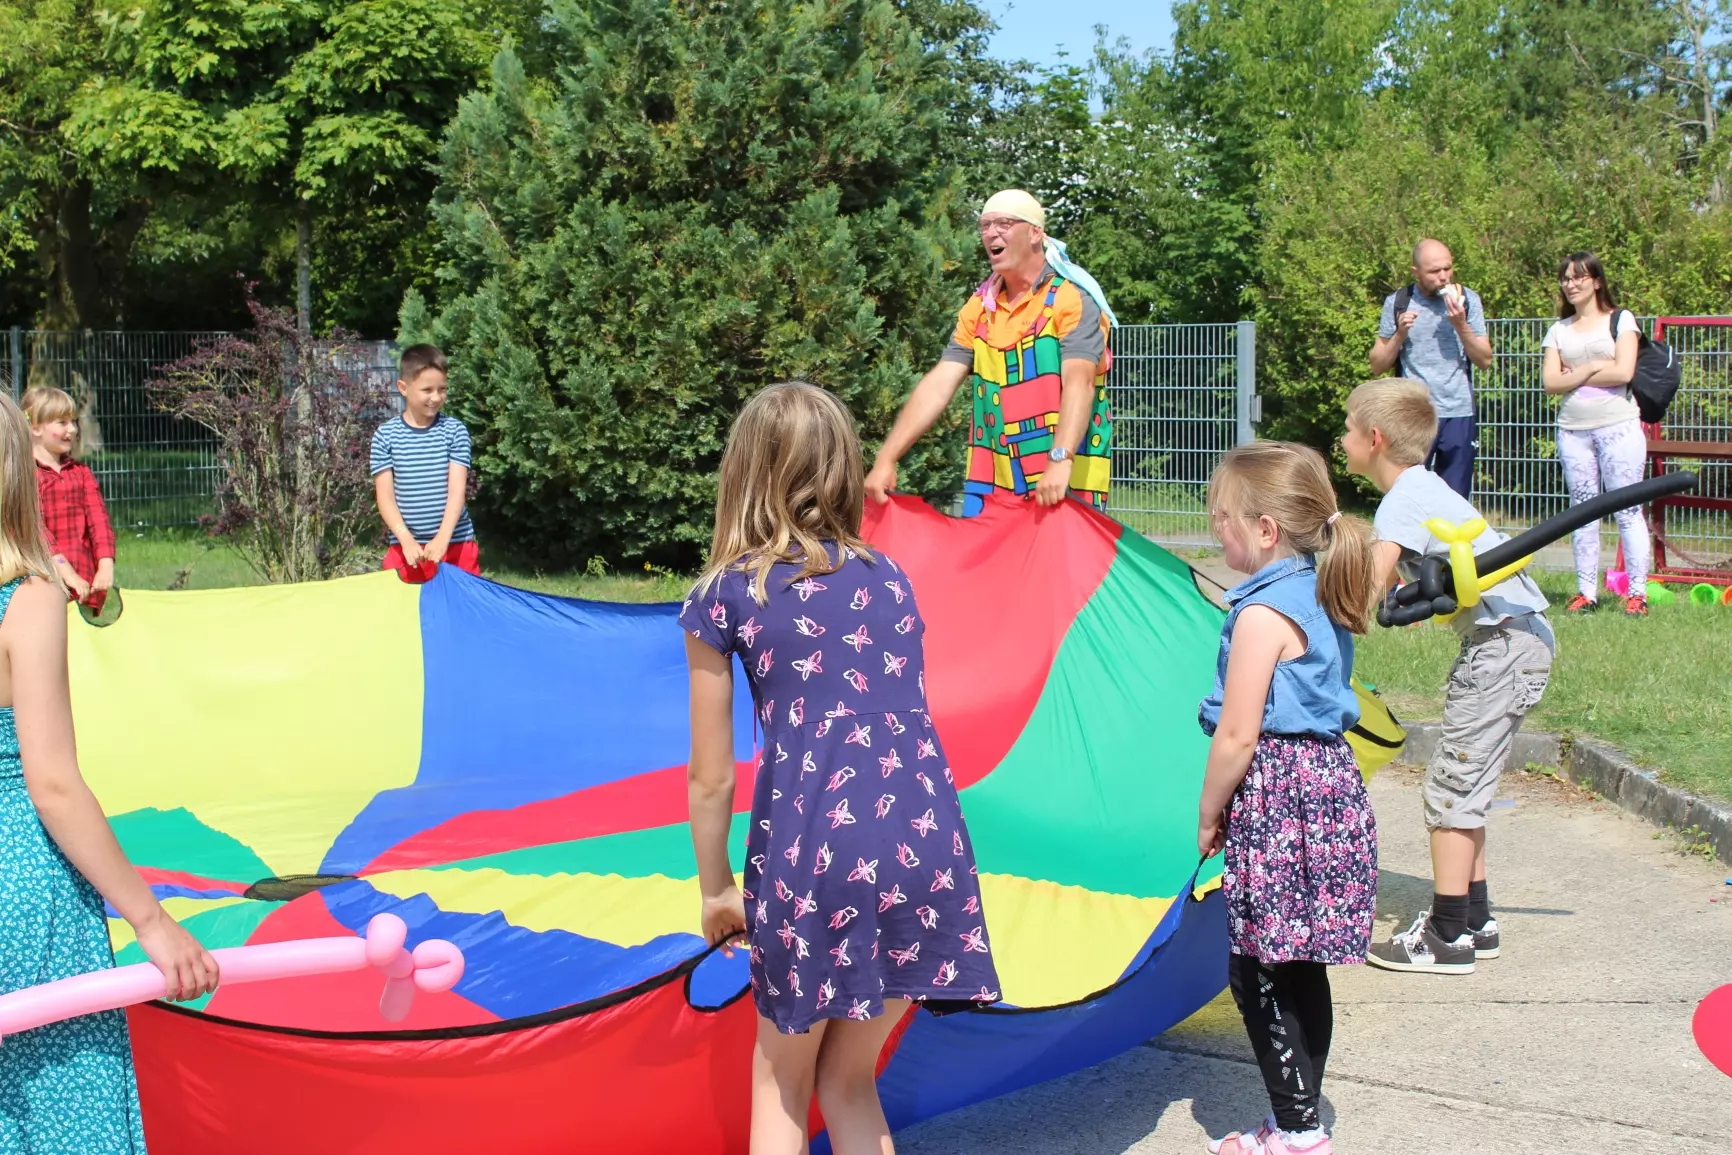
[1607,772]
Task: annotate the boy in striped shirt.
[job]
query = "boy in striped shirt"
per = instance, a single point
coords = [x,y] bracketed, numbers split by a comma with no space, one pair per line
[420,465]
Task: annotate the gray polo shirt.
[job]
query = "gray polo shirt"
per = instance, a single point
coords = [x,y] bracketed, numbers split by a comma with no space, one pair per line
[1419,495]
[1433,351]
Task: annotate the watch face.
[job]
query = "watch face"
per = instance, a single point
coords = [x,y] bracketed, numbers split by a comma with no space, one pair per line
[1057,454]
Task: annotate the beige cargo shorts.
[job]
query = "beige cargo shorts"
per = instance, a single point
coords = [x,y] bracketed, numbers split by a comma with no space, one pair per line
[1497,678]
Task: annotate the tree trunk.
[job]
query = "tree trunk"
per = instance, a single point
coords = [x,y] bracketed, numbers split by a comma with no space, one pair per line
[304,267]
[115,256]
[85,265]
[68,255]
[1700,21]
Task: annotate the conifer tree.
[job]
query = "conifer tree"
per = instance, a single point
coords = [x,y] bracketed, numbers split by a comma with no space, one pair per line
[686,202]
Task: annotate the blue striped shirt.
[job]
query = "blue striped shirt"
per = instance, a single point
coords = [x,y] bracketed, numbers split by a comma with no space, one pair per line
[420,463]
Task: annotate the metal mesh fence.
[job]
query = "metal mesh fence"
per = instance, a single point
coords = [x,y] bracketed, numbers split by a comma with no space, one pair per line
[1182,395]
[1180,398]
[156,471]
[1697,538]
[1519,480]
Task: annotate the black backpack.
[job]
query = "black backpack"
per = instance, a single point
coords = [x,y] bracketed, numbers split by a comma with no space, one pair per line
[1657,374]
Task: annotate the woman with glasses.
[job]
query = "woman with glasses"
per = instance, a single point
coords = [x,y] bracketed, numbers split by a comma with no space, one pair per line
[1590,358]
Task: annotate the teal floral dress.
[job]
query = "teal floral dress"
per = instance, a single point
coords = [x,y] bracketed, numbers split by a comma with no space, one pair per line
[67,1088]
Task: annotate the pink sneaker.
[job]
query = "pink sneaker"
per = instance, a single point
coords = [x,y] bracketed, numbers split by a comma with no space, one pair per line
[1245,1142]
[1275,1145]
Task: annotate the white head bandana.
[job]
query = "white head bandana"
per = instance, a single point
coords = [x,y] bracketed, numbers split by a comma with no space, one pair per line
[1019,205]
[1015,203]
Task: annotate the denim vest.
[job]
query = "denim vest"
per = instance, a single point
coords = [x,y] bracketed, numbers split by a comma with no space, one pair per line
[1309,695]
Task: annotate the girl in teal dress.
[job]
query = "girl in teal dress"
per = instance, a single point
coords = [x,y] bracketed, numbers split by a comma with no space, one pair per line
[66,1088]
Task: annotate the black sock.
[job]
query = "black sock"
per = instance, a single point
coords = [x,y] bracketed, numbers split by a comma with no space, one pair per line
[1449,916]
[1478,905]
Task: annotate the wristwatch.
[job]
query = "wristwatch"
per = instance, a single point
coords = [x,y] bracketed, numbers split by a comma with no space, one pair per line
[1058,453]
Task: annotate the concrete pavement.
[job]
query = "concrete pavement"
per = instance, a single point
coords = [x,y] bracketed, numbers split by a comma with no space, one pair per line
[1577,1039]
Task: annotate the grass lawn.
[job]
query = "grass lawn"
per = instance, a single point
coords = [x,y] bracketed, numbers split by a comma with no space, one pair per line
[170,560]
[1660,689]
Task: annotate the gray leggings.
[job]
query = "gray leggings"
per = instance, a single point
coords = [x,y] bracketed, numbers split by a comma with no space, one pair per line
[1608,457]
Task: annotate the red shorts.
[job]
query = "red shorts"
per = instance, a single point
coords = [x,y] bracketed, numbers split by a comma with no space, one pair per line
[465,555]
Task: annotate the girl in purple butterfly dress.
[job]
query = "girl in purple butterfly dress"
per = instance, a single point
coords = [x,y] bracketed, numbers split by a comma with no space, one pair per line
[860,894]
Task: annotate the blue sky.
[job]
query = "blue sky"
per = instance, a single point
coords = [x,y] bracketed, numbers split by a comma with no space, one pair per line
[1036,29]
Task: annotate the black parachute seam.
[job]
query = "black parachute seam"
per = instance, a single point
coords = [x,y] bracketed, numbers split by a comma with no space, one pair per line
[480,1030]
[655,982]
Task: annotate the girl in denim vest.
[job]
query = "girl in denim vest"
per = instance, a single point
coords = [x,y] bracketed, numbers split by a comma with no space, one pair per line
[1282,795]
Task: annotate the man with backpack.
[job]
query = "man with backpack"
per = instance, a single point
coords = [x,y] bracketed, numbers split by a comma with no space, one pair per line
[1433,331]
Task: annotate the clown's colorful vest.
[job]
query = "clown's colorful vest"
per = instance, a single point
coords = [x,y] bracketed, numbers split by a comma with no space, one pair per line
[1016,403]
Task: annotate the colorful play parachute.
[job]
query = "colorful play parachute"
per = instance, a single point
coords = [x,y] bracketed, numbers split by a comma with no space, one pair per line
[505,771]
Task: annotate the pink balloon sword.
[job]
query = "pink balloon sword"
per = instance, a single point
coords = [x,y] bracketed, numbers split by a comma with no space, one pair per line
[434,966]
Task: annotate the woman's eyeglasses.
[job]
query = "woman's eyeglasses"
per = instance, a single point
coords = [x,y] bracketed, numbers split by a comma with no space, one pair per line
[1574,279]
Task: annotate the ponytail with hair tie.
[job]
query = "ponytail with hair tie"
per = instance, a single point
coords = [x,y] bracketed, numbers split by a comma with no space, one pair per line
[1346,572]
[1289,484]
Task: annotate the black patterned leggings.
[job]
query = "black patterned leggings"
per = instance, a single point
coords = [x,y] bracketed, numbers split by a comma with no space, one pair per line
[1289,1017]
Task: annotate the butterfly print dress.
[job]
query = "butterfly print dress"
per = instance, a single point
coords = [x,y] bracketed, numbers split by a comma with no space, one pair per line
[860,883]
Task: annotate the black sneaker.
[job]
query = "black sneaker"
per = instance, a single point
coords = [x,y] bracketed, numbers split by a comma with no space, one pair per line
[1485,940]
[1418,948]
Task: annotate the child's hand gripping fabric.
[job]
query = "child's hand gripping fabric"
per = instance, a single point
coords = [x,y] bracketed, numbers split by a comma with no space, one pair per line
[77,587]
[710,788]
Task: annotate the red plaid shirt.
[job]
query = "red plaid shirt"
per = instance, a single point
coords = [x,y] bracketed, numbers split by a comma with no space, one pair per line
[74,516]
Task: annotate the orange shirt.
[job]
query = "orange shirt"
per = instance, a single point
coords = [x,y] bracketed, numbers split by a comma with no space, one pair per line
[1077,321]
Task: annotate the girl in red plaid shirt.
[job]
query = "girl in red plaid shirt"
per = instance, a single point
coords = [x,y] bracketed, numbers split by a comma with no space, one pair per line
[79,533]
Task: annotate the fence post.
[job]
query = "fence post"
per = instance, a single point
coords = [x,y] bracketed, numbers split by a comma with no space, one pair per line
[17,361]
[1250,406]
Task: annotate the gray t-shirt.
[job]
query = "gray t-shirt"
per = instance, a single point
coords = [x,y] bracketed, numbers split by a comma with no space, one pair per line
[1419,495]
[1433,352]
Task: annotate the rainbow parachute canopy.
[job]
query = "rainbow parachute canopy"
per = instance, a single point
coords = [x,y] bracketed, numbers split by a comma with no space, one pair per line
[506,770]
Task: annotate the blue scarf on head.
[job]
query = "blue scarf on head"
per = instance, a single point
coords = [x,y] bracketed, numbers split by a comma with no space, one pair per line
[1064,267]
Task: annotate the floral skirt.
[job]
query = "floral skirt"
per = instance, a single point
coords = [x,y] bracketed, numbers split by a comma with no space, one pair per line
[1300,874]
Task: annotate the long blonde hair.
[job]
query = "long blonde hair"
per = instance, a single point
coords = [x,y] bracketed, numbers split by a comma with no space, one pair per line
[23,544]
[1289,484]
[791,480]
